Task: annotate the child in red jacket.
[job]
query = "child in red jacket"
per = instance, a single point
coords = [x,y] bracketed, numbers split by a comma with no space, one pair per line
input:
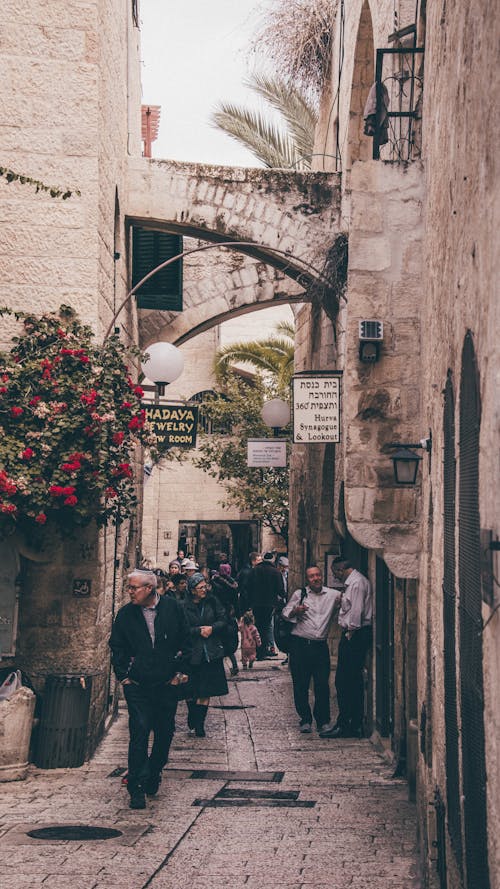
[250,639]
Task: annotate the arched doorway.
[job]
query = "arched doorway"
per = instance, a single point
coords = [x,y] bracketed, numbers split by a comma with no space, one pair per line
[360,146]
[471,643]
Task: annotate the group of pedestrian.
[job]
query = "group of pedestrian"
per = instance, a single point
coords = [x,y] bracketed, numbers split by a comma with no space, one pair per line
[311,611]
[168,646]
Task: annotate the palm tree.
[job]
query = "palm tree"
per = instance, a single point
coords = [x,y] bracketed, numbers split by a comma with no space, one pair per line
[286,145]
[273,357]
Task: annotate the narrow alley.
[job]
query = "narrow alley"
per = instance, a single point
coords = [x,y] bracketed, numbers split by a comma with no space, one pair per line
[254,804]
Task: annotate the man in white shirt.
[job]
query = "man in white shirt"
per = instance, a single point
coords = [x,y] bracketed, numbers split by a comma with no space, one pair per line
[355,618]
[309,655]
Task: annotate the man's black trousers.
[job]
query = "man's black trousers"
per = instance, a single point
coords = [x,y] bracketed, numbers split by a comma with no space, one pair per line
[264,621]
[310,660]
[150,709]
[349,678]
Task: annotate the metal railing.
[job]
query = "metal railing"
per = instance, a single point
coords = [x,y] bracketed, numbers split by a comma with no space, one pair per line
[399,98]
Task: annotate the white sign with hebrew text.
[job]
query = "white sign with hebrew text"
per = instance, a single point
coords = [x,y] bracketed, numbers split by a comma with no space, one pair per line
[316,408]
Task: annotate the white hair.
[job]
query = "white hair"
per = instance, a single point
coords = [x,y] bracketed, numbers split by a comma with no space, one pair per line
[147,577]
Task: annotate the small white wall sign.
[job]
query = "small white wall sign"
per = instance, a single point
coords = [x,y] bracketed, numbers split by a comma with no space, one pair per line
[266,452]
[316,407]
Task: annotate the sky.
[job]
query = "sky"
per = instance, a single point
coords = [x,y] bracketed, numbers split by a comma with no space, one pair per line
[194,54]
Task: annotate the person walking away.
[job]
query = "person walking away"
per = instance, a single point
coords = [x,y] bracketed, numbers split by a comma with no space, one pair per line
[207,626]
[311,613]
[147,636]
[265,588]
[282,566]
[250,639]
[355,619]
[226,589]
[242,579]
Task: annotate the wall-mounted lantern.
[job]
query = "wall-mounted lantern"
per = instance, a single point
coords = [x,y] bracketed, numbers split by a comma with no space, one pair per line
[405,461]
[164,364]
[276,414]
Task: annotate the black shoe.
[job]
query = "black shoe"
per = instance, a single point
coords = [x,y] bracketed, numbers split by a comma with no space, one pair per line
[200,732]
[152,785]
[137,800]
[355,733]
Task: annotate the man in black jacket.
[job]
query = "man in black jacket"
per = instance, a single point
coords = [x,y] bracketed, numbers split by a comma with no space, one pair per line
[265,588]
[150,647]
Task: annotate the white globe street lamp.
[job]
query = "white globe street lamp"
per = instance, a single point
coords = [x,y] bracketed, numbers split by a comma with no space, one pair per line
[163,365]
[276,414]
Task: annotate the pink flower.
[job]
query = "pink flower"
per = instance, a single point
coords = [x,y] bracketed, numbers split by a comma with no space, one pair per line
[34,401]
[41,518]
[8,507]
[109,493]
[71,501]
[27,454]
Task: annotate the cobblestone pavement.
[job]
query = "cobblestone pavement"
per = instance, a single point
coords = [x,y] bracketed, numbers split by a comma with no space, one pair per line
[357,832]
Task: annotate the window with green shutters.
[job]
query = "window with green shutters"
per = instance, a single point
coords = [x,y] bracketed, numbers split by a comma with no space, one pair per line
[163,291]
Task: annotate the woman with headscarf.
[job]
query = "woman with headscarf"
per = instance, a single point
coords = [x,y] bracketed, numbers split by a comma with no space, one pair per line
[207,622]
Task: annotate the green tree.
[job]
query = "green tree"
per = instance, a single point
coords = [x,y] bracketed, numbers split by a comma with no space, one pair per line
[261,492]
[273,357]
[287,143]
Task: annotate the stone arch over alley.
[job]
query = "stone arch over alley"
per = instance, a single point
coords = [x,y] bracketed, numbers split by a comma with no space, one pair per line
[285,221]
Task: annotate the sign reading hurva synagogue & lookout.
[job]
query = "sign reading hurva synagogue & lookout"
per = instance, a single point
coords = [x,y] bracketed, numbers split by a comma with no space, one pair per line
[174,425]
[316,407]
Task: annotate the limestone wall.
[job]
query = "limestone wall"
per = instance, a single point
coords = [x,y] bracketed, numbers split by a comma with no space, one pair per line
[461,288]
[69,72]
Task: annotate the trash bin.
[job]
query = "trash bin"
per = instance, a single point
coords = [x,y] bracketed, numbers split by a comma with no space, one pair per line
[16,723]
[62,731]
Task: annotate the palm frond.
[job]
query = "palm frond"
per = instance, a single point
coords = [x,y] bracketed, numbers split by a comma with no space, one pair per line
[262,137]
[287,328]
[299,112]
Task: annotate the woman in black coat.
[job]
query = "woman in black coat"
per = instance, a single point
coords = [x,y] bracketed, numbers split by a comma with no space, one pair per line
[207,623]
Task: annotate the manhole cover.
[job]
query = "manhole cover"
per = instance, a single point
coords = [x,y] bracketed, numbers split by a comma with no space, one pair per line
[216,774]
[233,707]
[218,803]
[250,793]
[74,832]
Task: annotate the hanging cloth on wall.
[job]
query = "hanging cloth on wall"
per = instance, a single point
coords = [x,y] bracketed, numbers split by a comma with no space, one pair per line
[376,115]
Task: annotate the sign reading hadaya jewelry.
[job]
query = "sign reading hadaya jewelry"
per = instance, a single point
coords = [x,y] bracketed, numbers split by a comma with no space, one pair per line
[175,425]
[316,407]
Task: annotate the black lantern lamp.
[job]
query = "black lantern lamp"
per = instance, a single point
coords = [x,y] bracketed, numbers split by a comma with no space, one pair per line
[405,464]
[405,461]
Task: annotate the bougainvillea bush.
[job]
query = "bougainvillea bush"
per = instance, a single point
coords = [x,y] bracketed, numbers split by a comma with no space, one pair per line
[70,419]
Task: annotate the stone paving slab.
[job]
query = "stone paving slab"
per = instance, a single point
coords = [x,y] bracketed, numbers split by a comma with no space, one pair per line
[360,833]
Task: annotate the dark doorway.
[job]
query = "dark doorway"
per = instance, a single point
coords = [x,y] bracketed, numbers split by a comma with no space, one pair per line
[384,649]
[207,540]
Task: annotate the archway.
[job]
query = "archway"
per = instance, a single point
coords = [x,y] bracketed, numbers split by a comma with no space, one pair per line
[360,146]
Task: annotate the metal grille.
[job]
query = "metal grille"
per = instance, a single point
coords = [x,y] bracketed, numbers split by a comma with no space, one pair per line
[399,83]
[384,649]
[440,838]
[449,619]
[471,652]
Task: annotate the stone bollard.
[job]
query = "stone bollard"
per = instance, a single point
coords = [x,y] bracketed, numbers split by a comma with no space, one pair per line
[16,722]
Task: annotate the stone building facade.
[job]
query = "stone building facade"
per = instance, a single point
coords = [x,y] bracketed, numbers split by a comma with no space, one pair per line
[422,255]
[71,117]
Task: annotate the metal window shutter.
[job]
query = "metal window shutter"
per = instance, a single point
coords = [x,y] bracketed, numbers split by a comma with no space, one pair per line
[150,248]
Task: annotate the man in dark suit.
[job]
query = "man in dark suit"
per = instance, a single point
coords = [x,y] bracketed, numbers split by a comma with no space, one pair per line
[265,589]
[150,649]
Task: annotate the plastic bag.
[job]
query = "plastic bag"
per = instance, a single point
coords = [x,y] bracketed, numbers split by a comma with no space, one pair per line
[10,684]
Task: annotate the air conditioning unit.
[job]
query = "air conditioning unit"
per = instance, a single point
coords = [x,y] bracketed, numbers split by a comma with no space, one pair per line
[371,331]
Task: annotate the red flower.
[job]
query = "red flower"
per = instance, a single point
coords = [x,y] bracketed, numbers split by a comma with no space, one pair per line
[139,392]
[118,438]
[56,490]
[135,423]
[109,493]
[89,430]
[84,359]
[125,405]
[6,485]
[3,390]
[41,518]
[71,501]
[5,378]
[16,411]
[68,490]
[61,333]
[34,401]
[8,507]
[27,453]
[125,469]
[74,466]
[89,399]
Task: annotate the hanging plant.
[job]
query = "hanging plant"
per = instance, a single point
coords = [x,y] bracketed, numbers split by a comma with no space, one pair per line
[70,419]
